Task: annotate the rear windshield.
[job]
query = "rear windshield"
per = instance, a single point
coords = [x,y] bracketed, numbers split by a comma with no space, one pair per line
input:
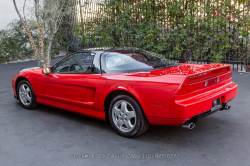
[125,61]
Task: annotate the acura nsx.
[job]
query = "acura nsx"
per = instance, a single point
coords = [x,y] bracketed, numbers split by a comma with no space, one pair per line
[129,87]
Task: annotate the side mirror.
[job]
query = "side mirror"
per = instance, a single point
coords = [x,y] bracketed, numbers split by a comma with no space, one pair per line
[47,70]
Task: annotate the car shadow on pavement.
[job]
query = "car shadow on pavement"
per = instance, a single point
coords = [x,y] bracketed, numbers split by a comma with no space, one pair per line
[204,128]
[71,116]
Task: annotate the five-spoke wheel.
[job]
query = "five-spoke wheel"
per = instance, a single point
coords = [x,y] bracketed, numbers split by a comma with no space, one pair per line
[126,116]
[26,94]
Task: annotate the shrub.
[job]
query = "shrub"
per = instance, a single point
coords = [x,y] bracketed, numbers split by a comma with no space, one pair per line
[211,30]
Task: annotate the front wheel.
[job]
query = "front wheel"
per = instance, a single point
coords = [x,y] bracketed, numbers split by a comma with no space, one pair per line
[126,116]
[26,95]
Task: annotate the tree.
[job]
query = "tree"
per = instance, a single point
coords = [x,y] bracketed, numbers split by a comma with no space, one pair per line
[191,30]
[48,16]
[14,43]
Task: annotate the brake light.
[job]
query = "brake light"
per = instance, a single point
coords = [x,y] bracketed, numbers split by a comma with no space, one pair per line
[208,74]
[184,87]
[229,69]
[189,85]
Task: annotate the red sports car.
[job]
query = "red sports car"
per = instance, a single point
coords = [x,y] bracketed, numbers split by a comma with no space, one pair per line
[131,88]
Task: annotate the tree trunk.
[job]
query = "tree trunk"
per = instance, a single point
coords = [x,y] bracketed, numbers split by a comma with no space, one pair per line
[28,33]
[48,52]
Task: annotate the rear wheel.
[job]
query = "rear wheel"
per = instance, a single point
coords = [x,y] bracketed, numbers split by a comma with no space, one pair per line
[126,116]
[26,95]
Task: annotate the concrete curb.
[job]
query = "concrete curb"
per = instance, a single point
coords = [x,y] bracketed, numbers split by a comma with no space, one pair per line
[242,71]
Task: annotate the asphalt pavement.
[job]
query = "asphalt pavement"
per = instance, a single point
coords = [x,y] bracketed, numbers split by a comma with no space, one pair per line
[51,136]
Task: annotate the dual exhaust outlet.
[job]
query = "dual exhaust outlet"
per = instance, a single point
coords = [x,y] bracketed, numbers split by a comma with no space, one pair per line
[191,124]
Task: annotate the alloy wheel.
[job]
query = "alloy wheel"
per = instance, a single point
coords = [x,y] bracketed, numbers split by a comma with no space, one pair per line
[124,116]
[25,94]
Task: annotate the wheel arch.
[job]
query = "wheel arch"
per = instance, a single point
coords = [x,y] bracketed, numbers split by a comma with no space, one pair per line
[18,80]
[112,95]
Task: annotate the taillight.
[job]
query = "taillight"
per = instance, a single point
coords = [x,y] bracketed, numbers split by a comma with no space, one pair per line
[184,87]
[189,85]
[229,69]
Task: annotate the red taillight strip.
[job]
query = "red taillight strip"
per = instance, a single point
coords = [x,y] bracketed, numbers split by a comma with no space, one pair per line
[184,87]
[188,86]
[208,74]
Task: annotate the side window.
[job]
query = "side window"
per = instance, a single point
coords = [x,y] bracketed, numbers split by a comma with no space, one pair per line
[76,63]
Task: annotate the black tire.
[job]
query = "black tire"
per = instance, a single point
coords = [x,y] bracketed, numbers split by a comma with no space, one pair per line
[32,103]
[140,123]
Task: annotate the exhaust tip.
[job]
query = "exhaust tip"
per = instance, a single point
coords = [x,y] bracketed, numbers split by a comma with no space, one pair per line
[227,107]
[189,125]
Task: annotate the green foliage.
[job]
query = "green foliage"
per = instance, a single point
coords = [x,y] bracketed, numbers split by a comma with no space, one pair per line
[208,29]
[13,44]
[61,41]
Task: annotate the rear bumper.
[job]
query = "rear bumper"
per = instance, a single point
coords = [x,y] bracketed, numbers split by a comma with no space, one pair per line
[182,110]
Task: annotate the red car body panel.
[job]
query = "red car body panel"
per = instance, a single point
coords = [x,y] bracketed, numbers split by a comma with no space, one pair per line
[159,92]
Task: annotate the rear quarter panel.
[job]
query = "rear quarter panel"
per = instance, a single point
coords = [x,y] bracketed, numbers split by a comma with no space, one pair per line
[153,93]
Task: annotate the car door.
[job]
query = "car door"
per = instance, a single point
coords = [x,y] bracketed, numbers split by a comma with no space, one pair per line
[65,86]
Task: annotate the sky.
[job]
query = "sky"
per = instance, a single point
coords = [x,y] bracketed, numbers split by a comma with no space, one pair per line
[7,12]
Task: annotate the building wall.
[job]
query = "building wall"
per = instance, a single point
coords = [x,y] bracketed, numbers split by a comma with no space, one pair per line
[8,12]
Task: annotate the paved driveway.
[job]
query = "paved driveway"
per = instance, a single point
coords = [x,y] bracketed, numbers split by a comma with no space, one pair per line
[50,136]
